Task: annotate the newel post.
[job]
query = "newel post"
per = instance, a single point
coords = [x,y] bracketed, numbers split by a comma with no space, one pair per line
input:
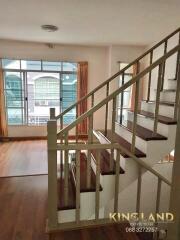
[52,170]
[174,228]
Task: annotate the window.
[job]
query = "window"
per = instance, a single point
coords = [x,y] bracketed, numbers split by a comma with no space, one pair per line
[124,99]
[32,87]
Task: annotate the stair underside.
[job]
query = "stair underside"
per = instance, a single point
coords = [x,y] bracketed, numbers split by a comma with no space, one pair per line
[72,184]
[124,143]
[83,175]
[105,163]
[161,119]
[71,191]
[143,133]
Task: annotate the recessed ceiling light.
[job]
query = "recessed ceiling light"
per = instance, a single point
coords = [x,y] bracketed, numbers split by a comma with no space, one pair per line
[49,28]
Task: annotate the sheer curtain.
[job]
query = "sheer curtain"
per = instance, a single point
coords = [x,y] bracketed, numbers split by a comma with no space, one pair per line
[82,86]
[3,122]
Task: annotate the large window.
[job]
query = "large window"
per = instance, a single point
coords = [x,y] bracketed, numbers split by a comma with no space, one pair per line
[32,87]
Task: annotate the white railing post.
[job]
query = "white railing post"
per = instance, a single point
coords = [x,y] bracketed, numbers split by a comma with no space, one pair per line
[138,200]
[177,90]
[156,113]
[52,170]
[150,74]
[173,232]
[113,122]
[52,113]
[116,194]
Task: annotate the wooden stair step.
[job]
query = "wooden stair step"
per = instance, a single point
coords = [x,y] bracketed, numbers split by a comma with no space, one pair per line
[165,103]
[105,163]
[71,191]
[113,231]
[83,175]
[145,236]
[124,143]
[143,132]
[165,90]
[169,90]
[161,119]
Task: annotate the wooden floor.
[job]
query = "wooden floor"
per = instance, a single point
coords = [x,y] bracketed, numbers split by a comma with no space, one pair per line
[21,158]
[23,199]
[23,205]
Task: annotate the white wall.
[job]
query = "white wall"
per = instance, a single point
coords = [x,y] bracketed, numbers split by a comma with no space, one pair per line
[102,63]
[170,66]
[96,57]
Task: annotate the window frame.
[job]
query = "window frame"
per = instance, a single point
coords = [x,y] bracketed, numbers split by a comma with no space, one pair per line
[24,72]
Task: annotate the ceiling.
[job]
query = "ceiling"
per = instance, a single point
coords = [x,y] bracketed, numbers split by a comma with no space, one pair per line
[89,22]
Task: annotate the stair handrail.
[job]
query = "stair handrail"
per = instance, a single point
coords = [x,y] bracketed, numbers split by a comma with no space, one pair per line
[119,90]
[164,40]
[116,146]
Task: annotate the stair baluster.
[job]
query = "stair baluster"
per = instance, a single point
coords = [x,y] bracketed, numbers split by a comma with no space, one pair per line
[66,171]
[164,66]
[106,111]
[160,71]
[78,186]
[122,101]
[149,80]
[177,98]
[139,183]
[117,181]
[90,140]
[97,198]
[158,198]
[178,57]
[135,111]
[113,131]
[76,135]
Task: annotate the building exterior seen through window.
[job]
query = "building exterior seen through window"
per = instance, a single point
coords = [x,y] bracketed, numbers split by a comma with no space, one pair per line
[32,87]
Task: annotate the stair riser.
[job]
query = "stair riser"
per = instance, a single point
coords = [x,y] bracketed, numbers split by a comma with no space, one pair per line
[167,96]
[148,123]
[172,84]
[66,216]
[164,110]
[86,212]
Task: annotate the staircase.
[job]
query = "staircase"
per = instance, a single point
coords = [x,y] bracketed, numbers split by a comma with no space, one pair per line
[90,178]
